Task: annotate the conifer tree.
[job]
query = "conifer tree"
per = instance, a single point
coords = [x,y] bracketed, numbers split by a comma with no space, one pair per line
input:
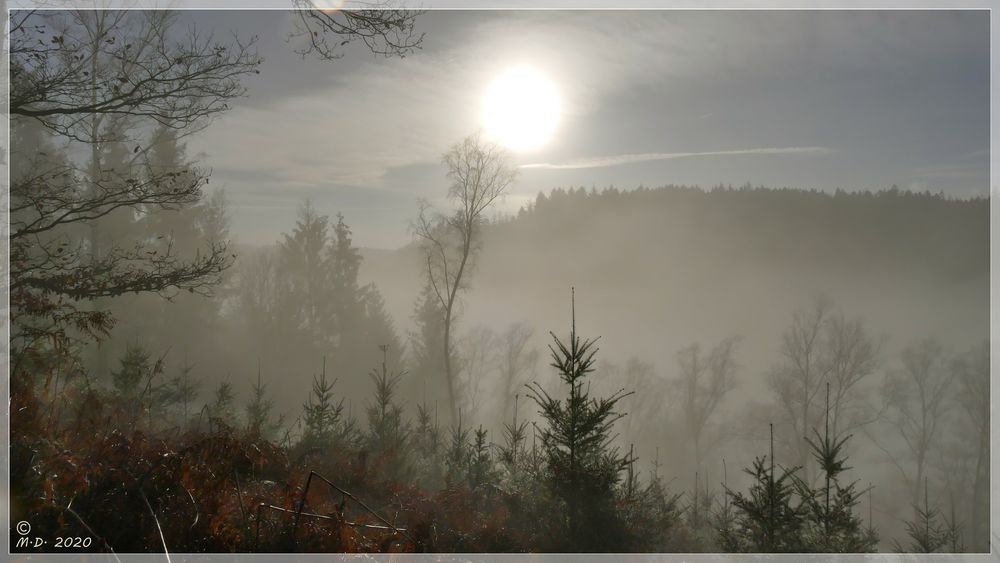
[458,455]
[221,407]
[178,227]
[178,393]
[581,465]
[387,431]
[427,341]
[481,471]
[345,261]
[133,381]
[305,265]
[953,529]
[320,413]
[325,423]
[653,514]
[512,451]
[261,423]
[926,531]
[724,518]
[135,366]
[765,520]
[427,448]
[701,519]
[345,324]
[111,164]
[378,325]
[833,525]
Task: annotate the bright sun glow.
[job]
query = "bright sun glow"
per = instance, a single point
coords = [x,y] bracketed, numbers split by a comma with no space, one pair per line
[521,109]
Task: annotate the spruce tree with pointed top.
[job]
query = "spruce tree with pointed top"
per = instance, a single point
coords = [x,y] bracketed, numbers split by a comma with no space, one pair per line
[135,366]
[953,529]
[459,455]
[651,513]
[926,531]
[512,451]
[832,526]
[582,467]
[221,407]
[325,423]
[481,470]
[723,519]
[178,393]
[133,382]
[261,423]
[766,519]
[427,445]
[387,432]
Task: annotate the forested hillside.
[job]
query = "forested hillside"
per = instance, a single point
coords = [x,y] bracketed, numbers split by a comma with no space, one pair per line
[677,264]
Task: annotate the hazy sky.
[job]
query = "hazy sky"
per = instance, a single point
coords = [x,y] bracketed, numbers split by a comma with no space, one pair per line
[855,100]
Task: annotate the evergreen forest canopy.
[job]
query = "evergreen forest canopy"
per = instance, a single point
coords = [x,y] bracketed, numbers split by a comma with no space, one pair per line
[172,390]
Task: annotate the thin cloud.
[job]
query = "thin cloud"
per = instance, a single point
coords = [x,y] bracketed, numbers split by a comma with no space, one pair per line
[618,160]
[959,171]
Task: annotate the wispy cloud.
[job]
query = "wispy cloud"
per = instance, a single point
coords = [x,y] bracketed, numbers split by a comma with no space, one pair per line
[617,160]
[953,171]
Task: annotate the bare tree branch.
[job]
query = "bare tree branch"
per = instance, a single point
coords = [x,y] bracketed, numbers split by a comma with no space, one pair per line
[326,30]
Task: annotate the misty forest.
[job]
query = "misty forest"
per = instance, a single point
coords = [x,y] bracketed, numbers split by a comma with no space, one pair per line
[559,365]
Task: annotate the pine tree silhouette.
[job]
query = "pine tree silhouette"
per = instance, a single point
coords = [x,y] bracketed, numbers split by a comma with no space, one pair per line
[830,509]
[765,520]
[481,471]
[387,432]
[135,366]
[221,407]
[582,468]
[261,423]
[459,455]
[926,532]
[427,448]
[325,423]
[512,451]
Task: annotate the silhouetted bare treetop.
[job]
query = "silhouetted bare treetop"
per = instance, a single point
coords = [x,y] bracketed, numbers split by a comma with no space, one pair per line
[383,29]
[480,172]
[68,66]
[703,382]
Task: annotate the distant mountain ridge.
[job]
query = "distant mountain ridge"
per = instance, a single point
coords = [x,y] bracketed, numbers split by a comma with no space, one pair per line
[693,264]
[922,232]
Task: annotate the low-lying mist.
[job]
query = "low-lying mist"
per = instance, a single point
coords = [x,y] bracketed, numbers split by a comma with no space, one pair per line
[655,271]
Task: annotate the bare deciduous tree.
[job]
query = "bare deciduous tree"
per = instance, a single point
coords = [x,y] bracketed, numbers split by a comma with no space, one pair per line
[822,346]
[518,362]
[852,354]
[702,384]
[643,407]
[972,370]
[477,358]
[799,377]
[916,406]
[480,173]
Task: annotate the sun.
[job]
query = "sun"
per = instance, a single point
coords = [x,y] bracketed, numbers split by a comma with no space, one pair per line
[521,109]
